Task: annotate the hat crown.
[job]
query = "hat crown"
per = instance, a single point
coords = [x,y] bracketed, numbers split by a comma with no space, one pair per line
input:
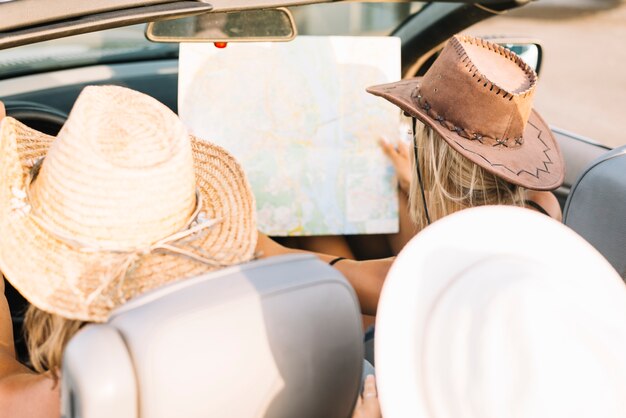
[123,129]
[120,172]
[480,88]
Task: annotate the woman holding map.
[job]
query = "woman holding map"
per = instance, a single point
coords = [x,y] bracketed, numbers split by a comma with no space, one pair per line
[476,140]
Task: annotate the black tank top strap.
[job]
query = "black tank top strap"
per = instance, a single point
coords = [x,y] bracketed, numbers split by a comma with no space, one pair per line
[537,206]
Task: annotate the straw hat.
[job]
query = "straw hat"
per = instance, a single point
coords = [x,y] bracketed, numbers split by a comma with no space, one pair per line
[501,311]
[124,201]
[478,96]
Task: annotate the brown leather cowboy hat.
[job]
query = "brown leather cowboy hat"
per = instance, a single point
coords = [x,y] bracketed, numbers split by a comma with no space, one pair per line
[478,97]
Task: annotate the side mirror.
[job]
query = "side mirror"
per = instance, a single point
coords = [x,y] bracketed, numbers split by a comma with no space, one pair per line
[531,53]
[237,26]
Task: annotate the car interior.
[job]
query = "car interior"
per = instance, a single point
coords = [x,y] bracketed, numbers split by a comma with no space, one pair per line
[599,189]
[41,96]
[264,329]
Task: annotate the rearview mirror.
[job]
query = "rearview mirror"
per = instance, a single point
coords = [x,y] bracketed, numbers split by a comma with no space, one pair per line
[239,26]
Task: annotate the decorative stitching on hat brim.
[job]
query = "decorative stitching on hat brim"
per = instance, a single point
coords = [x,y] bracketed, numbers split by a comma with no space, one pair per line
[546,165]
[464,132]
[520,172]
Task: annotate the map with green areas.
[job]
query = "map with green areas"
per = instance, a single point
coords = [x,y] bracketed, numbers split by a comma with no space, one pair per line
[298,118]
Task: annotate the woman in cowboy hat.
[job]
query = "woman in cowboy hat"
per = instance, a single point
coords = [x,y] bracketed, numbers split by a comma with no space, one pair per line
[477,139]
[122,201]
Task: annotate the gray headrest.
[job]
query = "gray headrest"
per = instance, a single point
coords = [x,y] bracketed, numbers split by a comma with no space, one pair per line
[273,338]
[596,207]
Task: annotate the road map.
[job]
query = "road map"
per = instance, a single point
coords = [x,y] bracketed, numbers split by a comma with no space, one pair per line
[296,115]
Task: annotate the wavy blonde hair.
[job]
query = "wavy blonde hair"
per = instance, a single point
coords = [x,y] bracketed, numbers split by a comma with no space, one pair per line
[452,182]
[46,337]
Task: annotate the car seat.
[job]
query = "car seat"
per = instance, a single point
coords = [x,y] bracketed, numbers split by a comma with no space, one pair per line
[596,207]
[279,337]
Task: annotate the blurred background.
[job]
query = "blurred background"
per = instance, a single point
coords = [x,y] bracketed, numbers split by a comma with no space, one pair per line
[582,87]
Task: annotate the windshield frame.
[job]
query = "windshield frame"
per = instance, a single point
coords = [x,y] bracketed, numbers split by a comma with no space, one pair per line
[91,49]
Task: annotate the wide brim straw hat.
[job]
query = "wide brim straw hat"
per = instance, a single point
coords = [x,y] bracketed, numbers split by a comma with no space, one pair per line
[123,200]
[478,97]
[498,311]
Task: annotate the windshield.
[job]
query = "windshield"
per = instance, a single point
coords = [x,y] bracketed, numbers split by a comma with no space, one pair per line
[356,19]
[109,46]
[129,44]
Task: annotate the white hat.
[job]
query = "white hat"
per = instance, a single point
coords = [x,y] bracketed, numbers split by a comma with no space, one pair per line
[501,311]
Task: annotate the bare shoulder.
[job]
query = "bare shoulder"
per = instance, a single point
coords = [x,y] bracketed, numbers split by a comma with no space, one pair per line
[548,201]
[26,394]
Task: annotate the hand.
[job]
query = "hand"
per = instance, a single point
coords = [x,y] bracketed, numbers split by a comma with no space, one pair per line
[367,405]
[3,112]
[400,158]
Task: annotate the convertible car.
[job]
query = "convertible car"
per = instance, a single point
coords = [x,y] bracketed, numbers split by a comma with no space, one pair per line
[49,51]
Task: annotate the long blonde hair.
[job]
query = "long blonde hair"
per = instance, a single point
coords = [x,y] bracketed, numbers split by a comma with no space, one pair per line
[452,182]
[46,337]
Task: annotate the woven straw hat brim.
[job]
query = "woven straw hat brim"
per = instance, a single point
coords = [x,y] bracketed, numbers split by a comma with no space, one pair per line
[59,278]
[536,165]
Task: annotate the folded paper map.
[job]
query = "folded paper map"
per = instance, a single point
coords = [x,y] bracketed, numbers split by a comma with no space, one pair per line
[296,115]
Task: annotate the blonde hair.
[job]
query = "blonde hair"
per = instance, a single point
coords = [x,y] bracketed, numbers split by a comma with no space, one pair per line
[46,337]
[452,182]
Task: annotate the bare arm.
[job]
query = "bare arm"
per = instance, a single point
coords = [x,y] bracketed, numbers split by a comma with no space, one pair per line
[367,405]
[366,277]
[23,393]
[548,201]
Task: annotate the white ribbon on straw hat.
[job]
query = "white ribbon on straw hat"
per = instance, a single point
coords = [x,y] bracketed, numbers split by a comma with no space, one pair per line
[123,200]
[501,311]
